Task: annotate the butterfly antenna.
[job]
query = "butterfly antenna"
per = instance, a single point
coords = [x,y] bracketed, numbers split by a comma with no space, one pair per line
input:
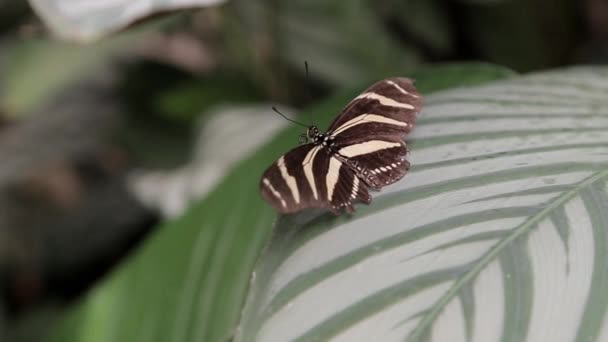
[286,118]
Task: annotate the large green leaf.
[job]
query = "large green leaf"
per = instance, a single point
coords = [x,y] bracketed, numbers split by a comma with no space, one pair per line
[188,282]
[89,20]
[499,232]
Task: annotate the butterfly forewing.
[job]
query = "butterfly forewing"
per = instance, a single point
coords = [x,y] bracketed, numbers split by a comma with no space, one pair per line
[362,149]
[292,183]
[390,104]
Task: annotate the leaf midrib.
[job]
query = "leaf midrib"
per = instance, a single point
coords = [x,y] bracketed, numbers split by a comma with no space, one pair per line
[560,200]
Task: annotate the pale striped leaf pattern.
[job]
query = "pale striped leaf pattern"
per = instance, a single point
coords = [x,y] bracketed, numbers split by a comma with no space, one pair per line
[88,20]
[499,232]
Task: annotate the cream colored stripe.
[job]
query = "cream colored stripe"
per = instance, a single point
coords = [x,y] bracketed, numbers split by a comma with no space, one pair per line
[367,118]
[289,180]
[274,192]
[367,147]
[308,164]
[403,91]
[333,173]
[353,193]
[384,100]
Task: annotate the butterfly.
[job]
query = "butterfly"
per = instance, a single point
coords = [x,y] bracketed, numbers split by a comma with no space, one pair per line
[362,149]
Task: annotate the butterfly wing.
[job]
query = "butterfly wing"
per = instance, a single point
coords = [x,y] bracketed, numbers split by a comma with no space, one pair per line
[344,187]
[377,162]
[390,106]
[292,183]
[310,177]
[369,132]
[283,183]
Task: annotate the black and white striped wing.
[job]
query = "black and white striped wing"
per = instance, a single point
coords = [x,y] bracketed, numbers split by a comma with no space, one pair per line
[369,132]
[310,177]
[284,184]
[388,107]
[377,163]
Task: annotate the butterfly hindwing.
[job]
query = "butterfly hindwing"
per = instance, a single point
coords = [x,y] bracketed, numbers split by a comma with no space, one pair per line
[380,168]
[344,187]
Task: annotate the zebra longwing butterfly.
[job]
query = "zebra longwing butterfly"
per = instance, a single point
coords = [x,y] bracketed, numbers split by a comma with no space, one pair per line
[362,149]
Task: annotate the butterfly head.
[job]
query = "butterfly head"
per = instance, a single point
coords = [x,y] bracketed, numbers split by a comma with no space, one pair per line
[312,132]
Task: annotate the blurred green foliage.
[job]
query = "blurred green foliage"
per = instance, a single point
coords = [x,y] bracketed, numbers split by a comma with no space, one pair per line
[267,41]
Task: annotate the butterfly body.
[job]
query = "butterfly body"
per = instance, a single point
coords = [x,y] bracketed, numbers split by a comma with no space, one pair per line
[362,149]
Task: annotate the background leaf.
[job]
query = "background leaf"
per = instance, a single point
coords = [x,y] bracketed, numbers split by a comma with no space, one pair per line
[38,69]
[497,234]
[344,42]
[525,35]
[86,21]
[188,282]
[427,21]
